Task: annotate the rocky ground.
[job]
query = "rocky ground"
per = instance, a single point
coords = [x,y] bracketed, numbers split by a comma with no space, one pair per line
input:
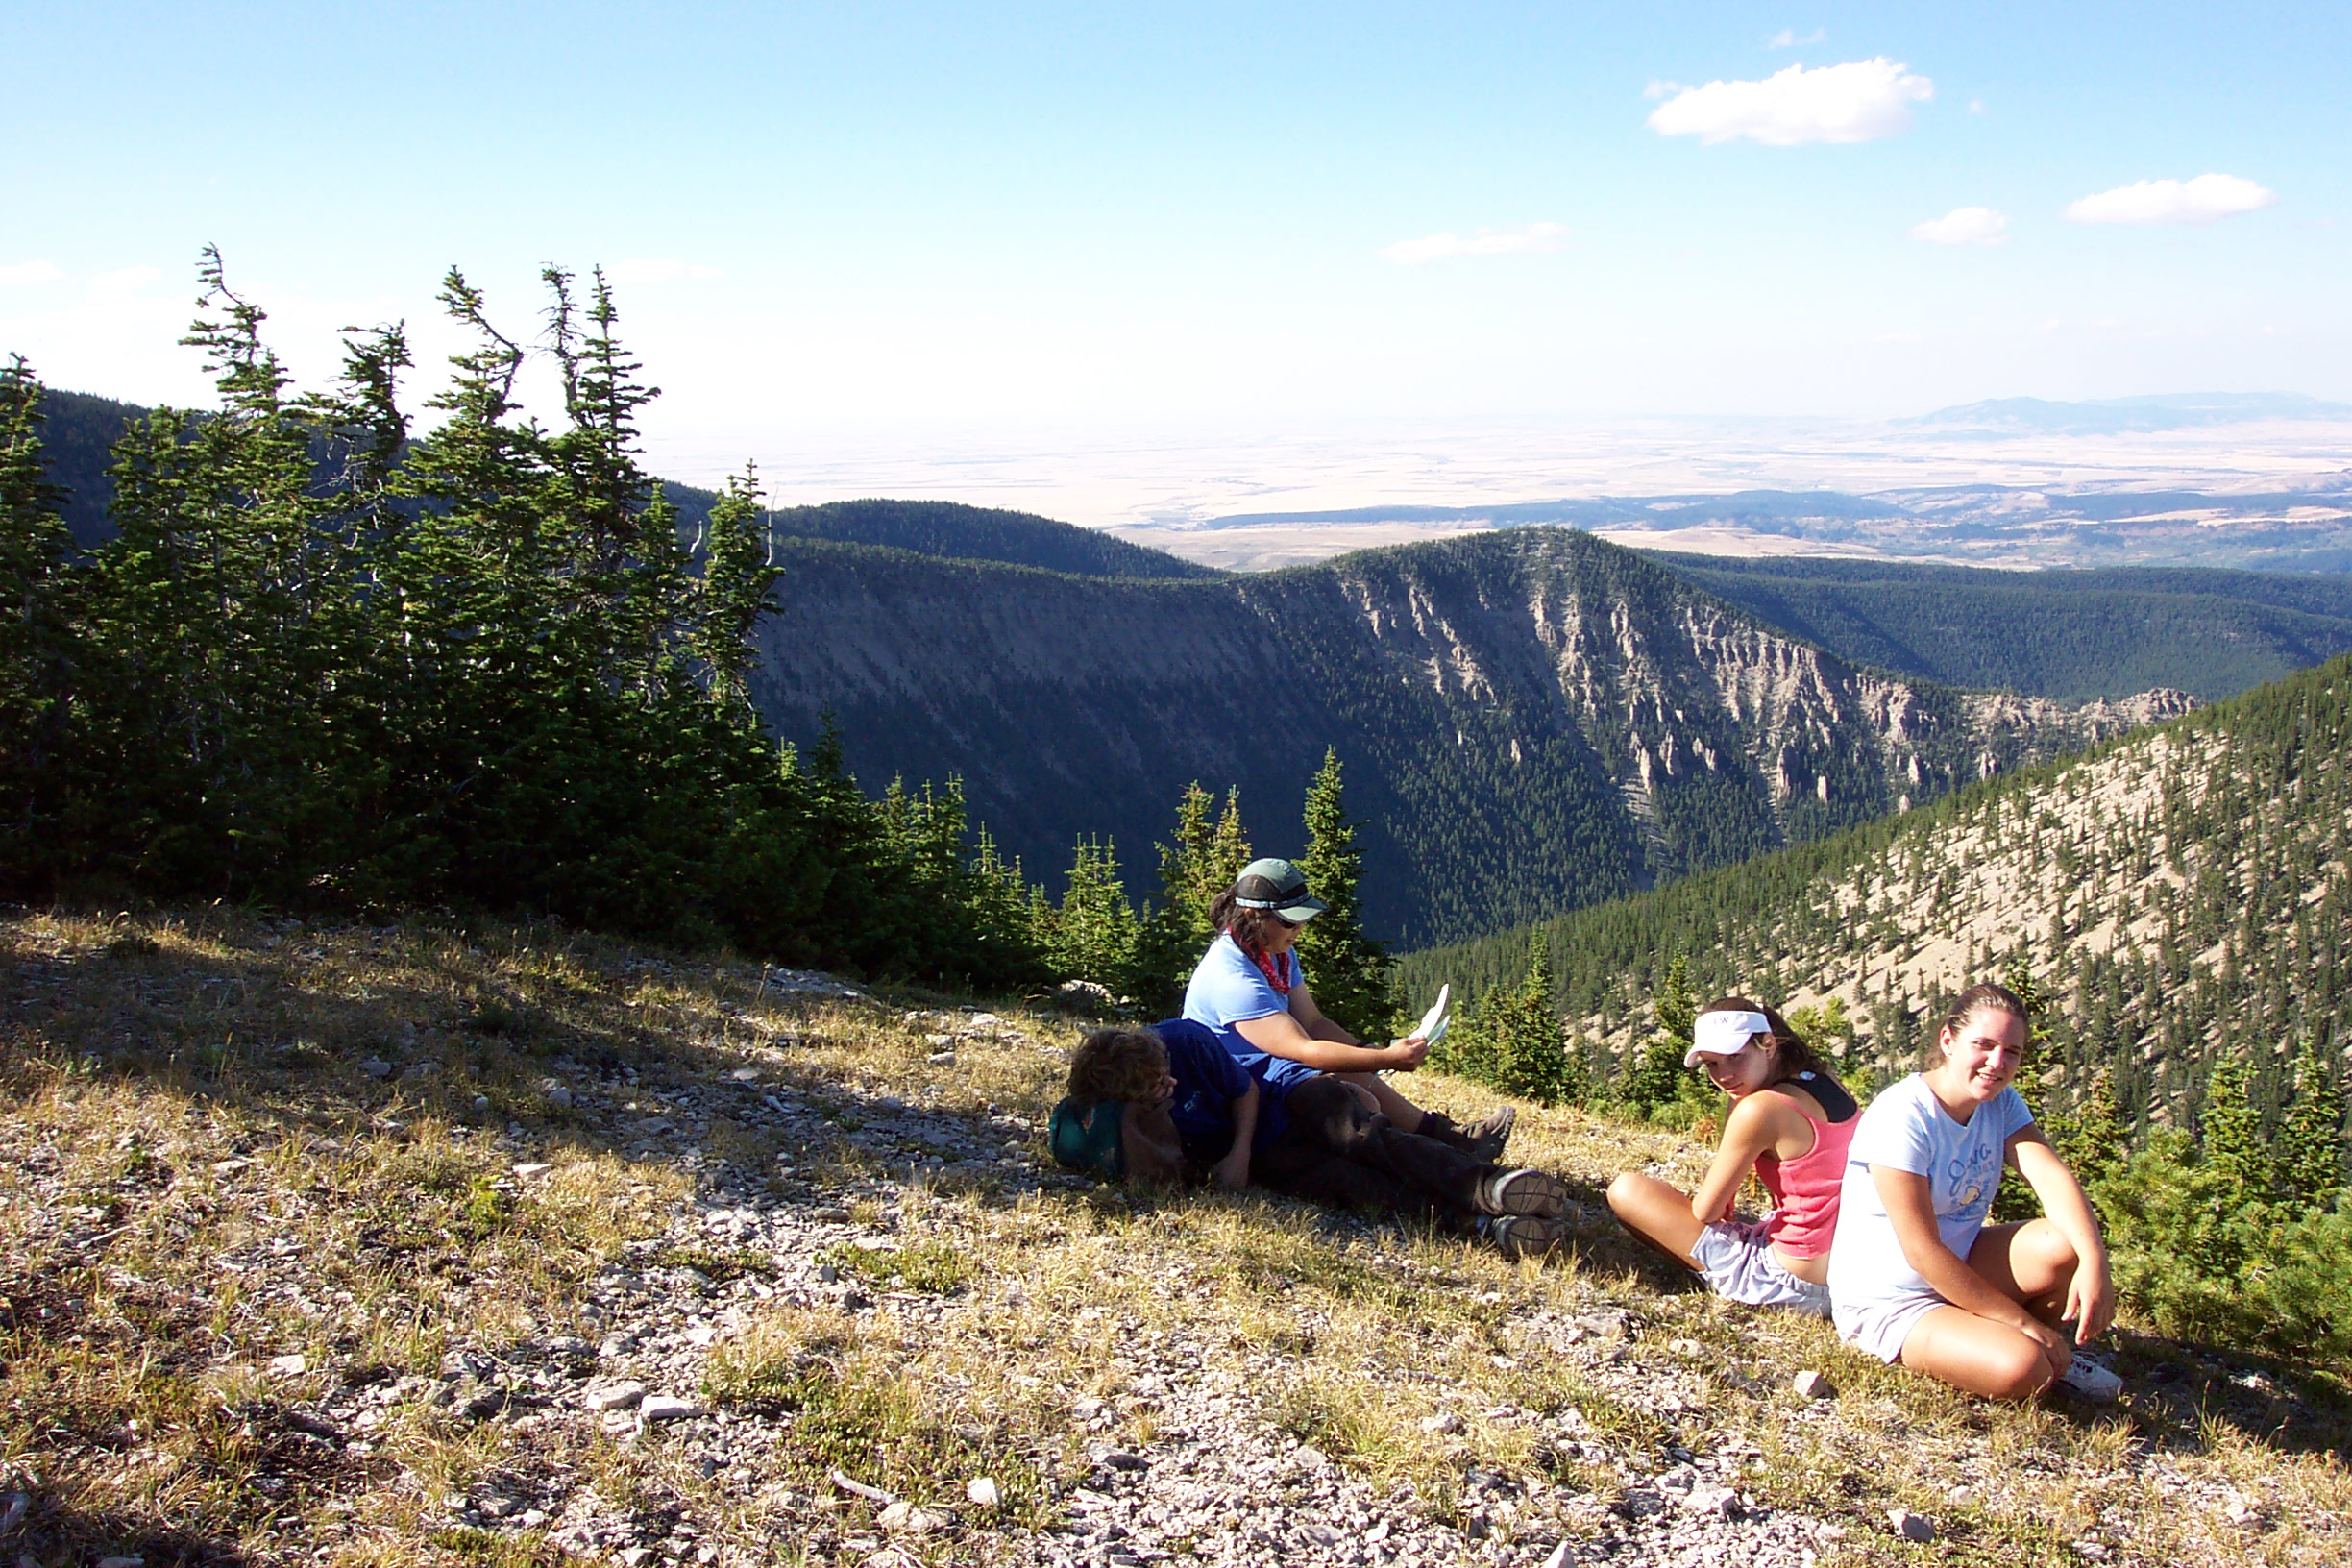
[398,1245]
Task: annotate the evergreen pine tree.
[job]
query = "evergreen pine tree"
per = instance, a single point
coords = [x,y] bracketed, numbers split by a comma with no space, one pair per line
[1093,931]
[36,638]
[1209,852]
[1657,1073]
[1347,970]
[2311,1139]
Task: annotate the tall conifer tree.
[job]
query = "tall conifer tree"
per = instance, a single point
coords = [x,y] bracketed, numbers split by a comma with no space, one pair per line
[1347,970]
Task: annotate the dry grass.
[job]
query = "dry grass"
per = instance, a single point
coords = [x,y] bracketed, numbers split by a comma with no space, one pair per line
[198,1178]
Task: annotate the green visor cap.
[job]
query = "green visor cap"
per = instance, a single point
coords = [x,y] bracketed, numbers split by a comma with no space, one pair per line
[1279,887]
[1086,1137]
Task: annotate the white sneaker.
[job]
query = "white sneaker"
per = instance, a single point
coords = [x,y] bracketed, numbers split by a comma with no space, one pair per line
[2091,1381]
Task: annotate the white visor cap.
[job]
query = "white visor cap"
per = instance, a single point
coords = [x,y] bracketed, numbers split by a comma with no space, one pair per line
[1723,1034]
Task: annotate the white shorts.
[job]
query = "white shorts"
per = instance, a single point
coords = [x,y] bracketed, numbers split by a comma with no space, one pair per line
[1879,1327]
[1736,1257]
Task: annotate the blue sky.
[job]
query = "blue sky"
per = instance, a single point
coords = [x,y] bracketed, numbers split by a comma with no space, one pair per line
[1034,216]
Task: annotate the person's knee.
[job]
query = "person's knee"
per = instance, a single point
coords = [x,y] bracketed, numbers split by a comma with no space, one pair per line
[1625,1193]
[2020,1371]
[2052,1250]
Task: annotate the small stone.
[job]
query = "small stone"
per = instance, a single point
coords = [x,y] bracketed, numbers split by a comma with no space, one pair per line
[1683,1347]
[376,1066]
[905,1517]
[744,1075]
[668,1408]
[1715,1500]
[560,1094]
[982,1492]
[289,1366]
[631,1555]
[1312,1456]
[1910,1525]
[1563,1556]
[1444,1424]
[532,1167]
[941,1059]
[422,1069]
[828,1274]
[482,1103]
[616,1396]
[1813,1385]
[228,1168]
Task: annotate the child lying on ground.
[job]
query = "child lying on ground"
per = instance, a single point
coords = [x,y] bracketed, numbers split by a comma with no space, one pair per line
[1170,1102]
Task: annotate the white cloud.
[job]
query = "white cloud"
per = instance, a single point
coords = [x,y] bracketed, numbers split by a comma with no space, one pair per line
[2202,200]
[31,271]
[656,270]
[1529,239]
[125,279]
[1964,226]
[1787,39]
[1860,101]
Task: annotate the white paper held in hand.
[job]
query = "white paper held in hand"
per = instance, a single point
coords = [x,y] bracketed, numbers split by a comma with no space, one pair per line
[1434,1023]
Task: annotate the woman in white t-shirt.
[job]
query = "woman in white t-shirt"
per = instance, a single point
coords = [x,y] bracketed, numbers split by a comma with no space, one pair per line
[1916,1276]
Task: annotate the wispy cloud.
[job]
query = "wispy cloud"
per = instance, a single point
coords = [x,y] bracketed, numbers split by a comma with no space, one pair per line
[125,279]
[1860,101]
[2203,200]
[1787,39]
[1964,226]
[657,270]
[31,271]
[1529,239]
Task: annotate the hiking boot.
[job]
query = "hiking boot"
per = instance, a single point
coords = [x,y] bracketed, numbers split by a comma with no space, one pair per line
[1526,1235]
[1523,1191]
[1487,1137]
[2091,1381]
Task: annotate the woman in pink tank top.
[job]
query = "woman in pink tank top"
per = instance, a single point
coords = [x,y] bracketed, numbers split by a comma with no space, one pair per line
[1790,1122]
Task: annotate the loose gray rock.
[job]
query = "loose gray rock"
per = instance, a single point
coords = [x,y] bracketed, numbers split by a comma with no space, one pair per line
[616,1396]
[982,1492]
[1813,1385]
[376,1066]
[668,1408]
[1910,1525]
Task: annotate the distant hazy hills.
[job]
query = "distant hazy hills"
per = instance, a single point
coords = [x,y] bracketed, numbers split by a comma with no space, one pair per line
[2071,635]
[2118,416]
[2182,894]
[1531,719]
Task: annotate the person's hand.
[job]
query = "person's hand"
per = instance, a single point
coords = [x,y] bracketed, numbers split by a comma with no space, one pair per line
[2053,1344]
[2090,1304]
[1406,1054]
[1232,1171]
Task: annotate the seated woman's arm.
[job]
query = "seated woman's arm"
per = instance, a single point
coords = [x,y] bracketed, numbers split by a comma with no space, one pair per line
[1280,1034]
[2090,1295]
[1751,1128]
[1234,1169]
[1911,1211]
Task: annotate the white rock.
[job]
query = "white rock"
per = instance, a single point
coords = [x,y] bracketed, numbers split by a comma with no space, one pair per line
[668,1408]
[531,1167]
[982,1492]
[1562,1557]
[1443,1424]
[1910,1525]
[616,1396]
[1813,1385]
[289,1366]
[1705,1499]
[744,1075]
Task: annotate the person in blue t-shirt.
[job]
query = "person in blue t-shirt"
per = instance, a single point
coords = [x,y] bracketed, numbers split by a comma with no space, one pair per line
[1324,1087]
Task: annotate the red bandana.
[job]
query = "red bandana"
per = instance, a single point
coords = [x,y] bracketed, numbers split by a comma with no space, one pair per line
[1278,974]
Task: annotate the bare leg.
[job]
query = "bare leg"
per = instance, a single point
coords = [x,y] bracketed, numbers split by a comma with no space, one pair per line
[1656,1213]
[2032,1264]
[1977,1354]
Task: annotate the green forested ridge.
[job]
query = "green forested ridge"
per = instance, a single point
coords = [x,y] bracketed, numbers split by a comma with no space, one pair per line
[982,534]
[1529,720]
[2181,892]
[2068,634]
[2180,900]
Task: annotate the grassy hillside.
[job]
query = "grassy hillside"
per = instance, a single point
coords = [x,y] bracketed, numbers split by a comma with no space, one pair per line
[2071,635]
[405,1244]
[2184,893]
[1529,720]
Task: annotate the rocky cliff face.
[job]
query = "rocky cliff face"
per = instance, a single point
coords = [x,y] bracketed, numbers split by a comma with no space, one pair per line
[1529,720]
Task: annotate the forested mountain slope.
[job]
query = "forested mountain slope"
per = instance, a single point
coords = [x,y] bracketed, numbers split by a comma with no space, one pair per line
[1530,720]
[2183,894]
[2068,634]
